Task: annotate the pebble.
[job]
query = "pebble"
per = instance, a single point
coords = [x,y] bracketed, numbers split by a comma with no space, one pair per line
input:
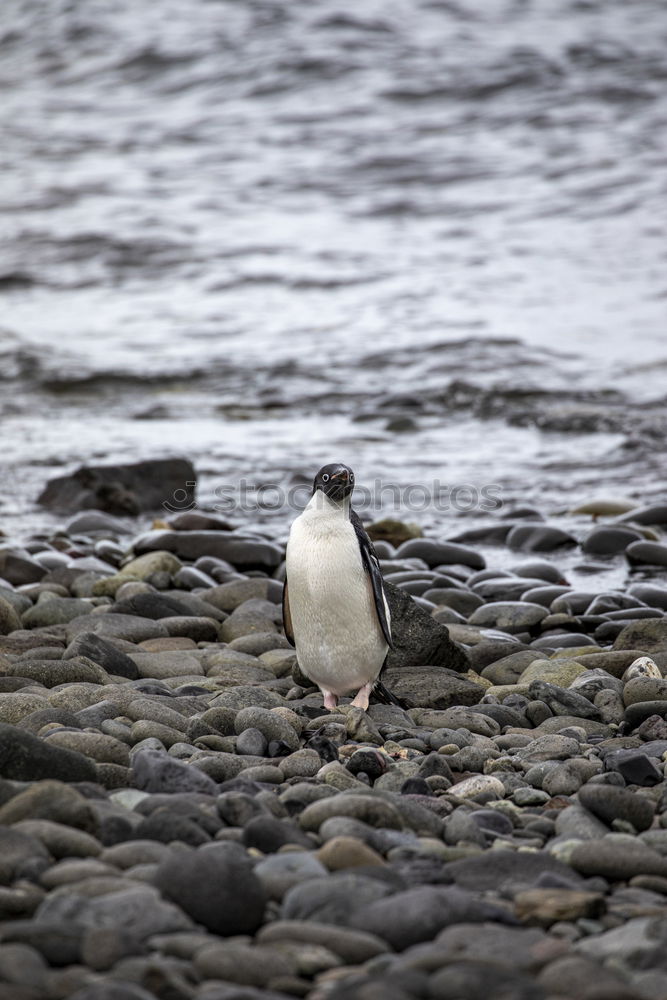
[156,740]
[610,804]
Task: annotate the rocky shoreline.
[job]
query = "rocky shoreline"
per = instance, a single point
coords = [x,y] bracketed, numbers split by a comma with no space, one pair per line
[181,820]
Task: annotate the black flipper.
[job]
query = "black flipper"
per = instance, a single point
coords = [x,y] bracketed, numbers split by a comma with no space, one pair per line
[287,617]
[372,567]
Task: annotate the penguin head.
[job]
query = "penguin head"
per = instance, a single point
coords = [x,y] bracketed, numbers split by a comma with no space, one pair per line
[336,481]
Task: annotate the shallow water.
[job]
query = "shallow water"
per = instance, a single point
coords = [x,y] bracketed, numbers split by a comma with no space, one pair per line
[425,238]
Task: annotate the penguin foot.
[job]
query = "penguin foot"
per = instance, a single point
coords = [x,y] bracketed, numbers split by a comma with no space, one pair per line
[330,700]
[362,696]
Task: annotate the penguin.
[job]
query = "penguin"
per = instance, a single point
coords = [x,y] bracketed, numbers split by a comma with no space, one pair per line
[335,611]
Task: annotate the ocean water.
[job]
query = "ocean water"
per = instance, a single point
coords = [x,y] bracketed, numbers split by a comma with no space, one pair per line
[424,237]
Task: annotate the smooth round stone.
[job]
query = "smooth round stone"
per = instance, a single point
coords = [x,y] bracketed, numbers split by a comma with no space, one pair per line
[197,629]
[609,539]
[647,635]
[563,640]
[52,610]
[236,906]
[340,853]
[652,594]
[14,707]
[544,595]
[529,797]
[503,588]
[269,723]
[652,514]
[508,669]
[304,763]
[562,780]
[480,787]
[540,569]
[538,537]
[248,966]
[610,803]
[436,553]
[559,671]
[639,711]
[60,840]
[354,947]
[372,810]
[101,748]
[116,626]
[9,618]
[647,553]
[510,616]
[643,666]
[464,602]
[278,873]
[52,800]
[617,859]
[256,643]
[24,757]
[644,688]
[251,741]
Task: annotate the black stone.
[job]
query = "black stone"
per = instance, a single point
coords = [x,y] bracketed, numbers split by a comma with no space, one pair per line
[24,757]
[122,489]
[216,886]
[102,652]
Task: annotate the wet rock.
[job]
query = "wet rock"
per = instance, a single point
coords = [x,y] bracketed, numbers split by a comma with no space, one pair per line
[21,855]
[52,800]
[436,553]
[121,489]
[609,804]
[431,686]
[537,537]
[353,947]
[52,673]
[418,639]
[510,616]
[139,911]
[154,771]
[546,907]
[236,906]
[240,963]
[367,808]
[243,551]
[270,724]
[60,840]
[334,899]
[418,914]
[341,853]
[617,859]
[493,869]
[648,635]
[641,689]
[609,539]
[54,611]
[268,834]
[94,647]
[647,553]
[635,767]
[24,757]
[9,619]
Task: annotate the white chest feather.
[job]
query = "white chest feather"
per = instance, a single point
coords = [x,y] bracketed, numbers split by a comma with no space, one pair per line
[338,638]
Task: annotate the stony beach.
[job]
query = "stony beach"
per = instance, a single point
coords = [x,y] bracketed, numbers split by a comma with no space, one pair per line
[181,820]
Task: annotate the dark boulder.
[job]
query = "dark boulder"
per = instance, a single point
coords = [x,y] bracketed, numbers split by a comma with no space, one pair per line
[123,489]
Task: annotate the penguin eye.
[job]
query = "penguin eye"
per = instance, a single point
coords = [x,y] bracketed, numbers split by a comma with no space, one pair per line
[325,477]
[352,477]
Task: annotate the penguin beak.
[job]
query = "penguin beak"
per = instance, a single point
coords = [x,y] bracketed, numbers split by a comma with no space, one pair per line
[339,486]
